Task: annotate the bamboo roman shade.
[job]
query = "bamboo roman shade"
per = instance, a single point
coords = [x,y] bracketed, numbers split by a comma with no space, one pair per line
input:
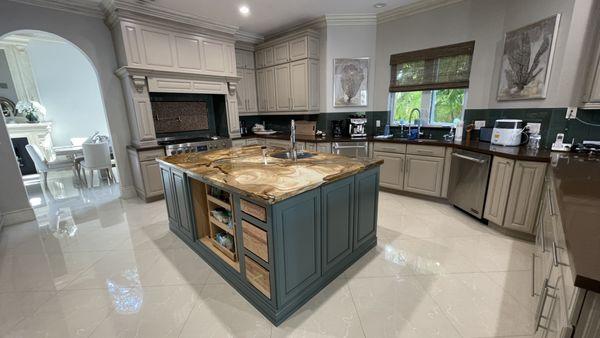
[434,68]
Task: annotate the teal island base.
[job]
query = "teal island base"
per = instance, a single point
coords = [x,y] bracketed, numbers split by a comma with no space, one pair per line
[276,255]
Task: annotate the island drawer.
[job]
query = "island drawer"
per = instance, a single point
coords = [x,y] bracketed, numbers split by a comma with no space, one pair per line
[150,155]
[255,240]
[258,277]
[417,149]
[389,147]
[253,210]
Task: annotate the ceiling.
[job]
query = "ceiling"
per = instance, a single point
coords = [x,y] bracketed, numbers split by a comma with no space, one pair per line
[268,16]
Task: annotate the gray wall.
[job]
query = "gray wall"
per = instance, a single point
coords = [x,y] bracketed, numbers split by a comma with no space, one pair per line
[93,37]
[486,21]
[5,77]
[69,90]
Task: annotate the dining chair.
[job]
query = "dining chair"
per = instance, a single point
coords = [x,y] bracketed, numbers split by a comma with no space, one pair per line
[96,156]
[42,165]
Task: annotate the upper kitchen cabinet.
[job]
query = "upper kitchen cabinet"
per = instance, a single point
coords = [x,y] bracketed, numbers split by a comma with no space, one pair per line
[143,46]
[592,95]
[244,59]
[246,88]
[288,73]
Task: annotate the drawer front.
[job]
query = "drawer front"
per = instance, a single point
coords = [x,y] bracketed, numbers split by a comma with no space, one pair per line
[417,149]
[389,147]
[255,240]
[238,143]
[150,155]
[258,276]
[253,210]
[255,141]
[278,143]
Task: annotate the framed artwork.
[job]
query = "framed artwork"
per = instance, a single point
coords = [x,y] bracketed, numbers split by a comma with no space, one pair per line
[527,60]
[350,79]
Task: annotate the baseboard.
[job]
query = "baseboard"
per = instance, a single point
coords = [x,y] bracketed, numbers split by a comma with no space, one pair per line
[128,192]
[16,217]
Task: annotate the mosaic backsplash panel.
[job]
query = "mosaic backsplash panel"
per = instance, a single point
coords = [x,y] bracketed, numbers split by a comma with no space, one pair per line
[172,117]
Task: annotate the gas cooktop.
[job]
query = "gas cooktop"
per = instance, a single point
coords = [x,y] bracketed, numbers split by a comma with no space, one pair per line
[169,140]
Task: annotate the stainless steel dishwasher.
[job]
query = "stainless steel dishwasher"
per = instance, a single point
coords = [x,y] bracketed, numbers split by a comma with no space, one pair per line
[357,149]
[469,175]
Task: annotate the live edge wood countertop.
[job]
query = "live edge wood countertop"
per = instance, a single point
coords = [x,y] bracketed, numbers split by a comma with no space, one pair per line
[270,179]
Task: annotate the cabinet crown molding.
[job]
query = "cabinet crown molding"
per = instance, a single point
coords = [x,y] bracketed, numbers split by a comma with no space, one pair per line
[414,8]
[351,19]
[283,38]
[146,72]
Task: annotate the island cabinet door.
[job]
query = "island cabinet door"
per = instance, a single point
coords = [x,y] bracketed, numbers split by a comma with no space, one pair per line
[297,232]
[183,211]
[165,173]
[366,195]
[337,214]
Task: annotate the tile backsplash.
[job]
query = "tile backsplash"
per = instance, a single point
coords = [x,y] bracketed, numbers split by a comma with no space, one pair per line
[552,119]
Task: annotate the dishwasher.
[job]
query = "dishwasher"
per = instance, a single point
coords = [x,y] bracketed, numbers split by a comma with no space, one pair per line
[469,174]
[356,149]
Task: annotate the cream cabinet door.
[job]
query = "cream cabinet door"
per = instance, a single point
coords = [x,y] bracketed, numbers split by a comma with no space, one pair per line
[187,51]
[151,177]
[282,53]
[157,47]
[259,56]
[313,85]
[282,87]
[269,56]
[271,93]
[391,174]
[261,89]
[214,56]
[233,117]
[250,90]
[299,85]
[131,44]
[424,175]
[498,189]
[299,48]
[524,196]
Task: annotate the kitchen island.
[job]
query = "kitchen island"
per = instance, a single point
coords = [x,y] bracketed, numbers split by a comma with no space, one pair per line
[278,230]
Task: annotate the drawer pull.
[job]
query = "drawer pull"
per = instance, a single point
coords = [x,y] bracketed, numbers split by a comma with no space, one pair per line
[532,274]
[549,192]
[555,255]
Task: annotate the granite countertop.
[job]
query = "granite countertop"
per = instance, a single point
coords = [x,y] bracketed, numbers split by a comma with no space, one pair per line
[516,153]
[576,180]
[247,172]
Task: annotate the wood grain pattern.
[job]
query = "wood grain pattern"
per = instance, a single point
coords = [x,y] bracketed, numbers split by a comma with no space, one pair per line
[253,210]
[258,277]
[255,240]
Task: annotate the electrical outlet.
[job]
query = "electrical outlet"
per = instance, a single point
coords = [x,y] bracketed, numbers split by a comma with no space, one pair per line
[377,123]
[571,113]
[534,128]
[479,124]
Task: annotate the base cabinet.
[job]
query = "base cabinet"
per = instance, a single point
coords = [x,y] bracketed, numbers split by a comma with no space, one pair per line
[146,172]
[524,197]
[392,170]
[498,189]
[424,175]
[284,253]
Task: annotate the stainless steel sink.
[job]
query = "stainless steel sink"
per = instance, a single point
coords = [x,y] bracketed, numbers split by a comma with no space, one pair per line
[286,155]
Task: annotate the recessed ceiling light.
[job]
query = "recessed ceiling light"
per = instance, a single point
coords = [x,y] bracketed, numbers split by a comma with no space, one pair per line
[244,10]
[380,5]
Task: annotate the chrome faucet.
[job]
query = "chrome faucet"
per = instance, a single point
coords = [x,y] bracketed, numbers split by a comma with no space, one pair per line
[293,140]
[418,125]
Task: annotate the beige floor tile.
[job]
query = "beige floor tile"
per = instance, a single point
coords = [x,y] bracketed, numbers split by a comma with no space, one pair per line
[398,307]
[151,312]
[222,312]
[68,314]
[331,313]
[16,306]
[477,306]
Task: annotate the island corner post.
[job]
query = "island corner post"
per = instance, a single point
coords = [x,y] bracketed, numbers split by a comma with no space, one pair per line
[280,253]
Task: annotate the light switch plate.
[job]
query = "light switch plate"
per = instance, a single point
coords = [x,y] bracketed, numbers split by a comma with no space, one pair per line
[479,124]
[534,128]
[571,113]
[377,123]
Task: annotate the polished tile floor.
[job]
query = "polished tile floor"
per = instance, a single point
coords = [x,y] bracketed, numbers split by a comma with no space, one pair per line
[94,265]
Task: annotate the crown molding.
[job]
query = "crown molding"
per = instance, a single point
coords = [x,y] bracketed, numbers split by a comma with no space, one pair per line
[247,37]
[414,8]
[350,19]
[76,7]
[314,24]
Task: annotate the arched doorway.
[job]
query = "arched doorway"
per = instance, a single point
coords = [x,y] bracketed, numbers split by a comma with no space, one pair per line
[56,88]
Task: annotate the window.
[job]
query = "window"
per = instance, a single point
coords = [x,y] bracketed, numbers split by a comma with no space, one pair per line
[438,107]
[434,80]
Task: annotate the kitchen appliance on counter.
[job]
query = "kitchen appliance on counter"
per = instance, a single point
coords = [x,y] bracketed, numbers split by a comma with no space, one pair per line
[507,132]
[358,126]
[469,176]
[192,144]
[485,134]
[353,149]
[337,128]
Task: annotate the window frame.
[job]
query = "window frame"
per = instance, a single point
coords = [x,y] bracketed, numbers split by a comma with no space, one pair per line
[427,109]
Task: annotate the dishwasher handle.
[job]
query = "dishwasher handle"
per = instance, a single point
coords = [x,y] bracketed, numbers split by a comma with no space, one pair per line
[468,158]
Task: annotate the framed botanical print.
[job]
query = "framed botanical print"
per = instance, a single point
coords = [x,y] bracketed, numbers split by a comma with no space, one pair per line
[350,82]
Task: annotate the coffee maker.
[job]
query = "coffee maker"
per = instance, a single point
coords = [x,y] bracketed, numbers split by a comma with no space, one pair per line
[337,128]
[358,126]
